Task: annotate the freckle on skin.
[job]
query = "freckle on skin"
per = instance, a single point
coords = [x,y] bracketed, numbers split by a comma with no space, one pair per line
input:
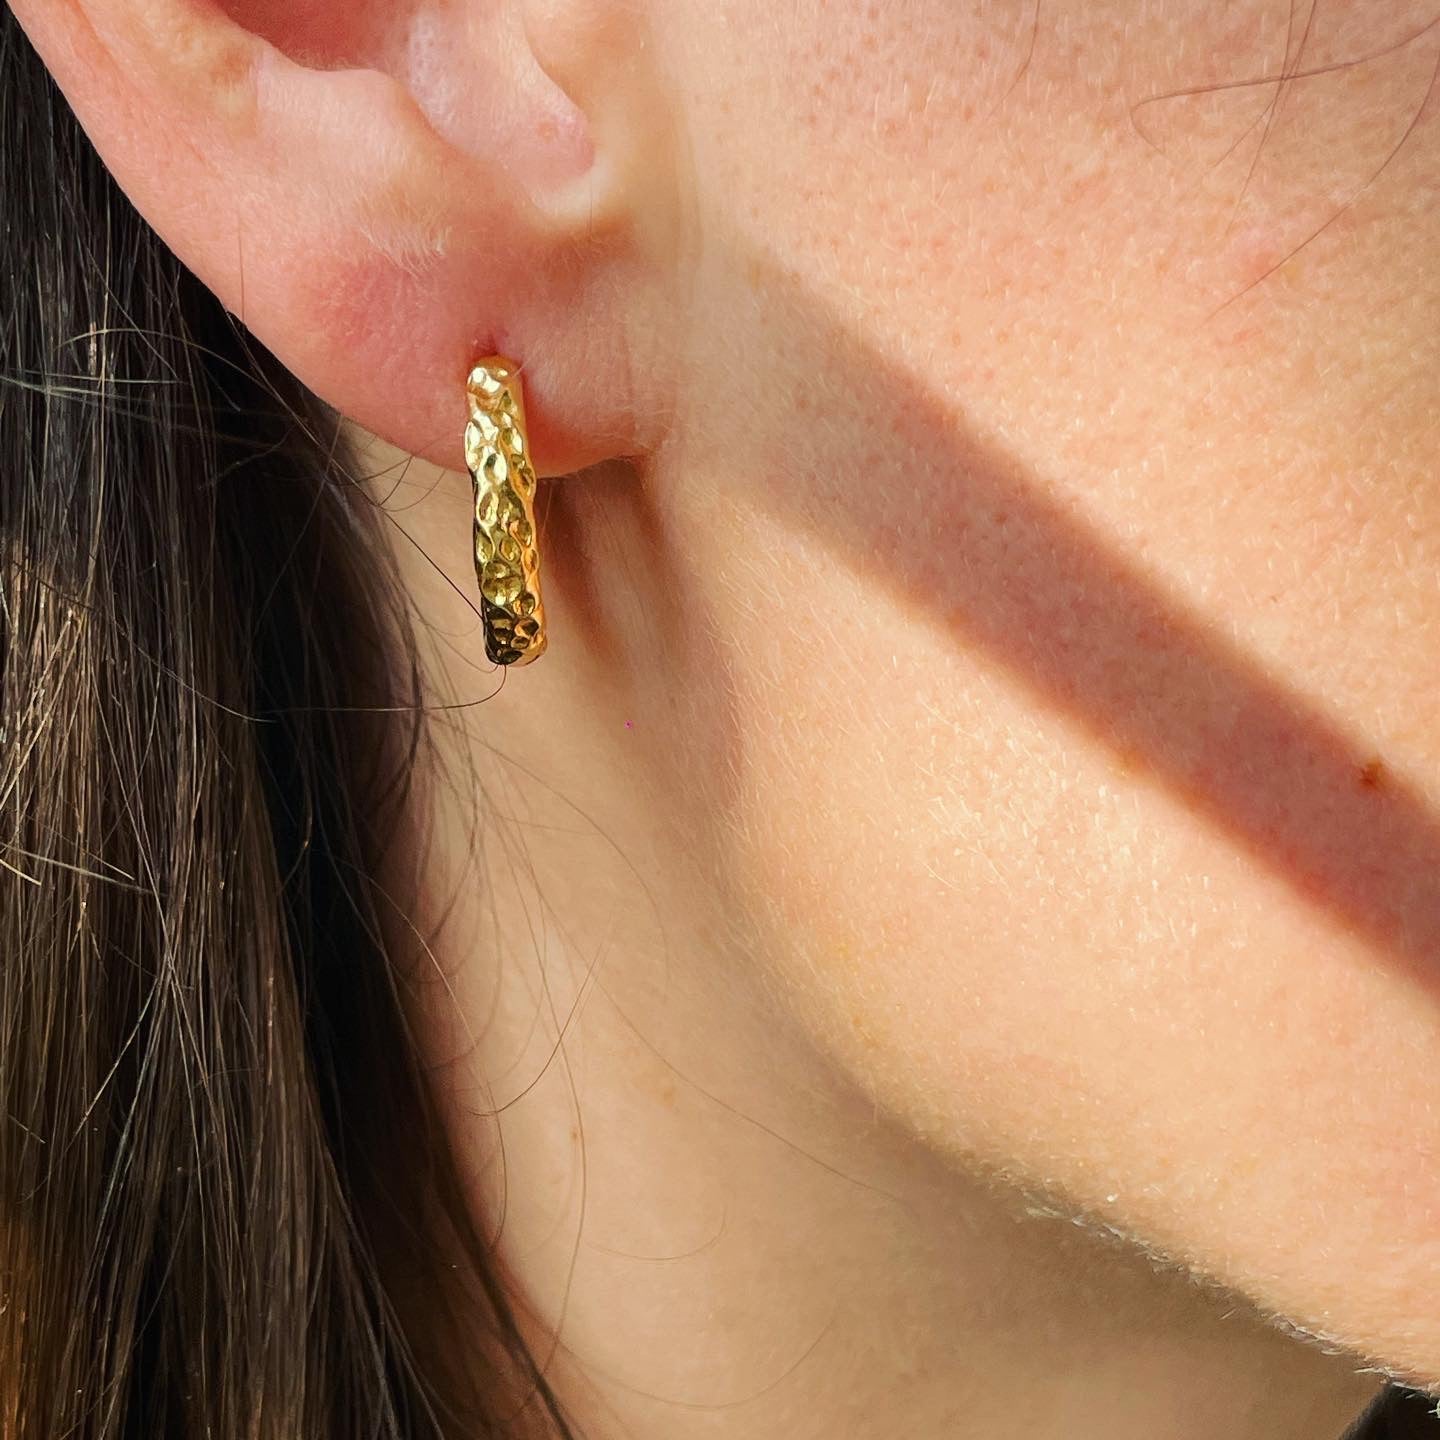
[1372,774]
[222,67]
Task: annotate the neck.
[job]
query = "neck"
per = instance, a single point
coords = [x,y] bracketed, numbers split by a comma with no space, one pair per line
[710,1231]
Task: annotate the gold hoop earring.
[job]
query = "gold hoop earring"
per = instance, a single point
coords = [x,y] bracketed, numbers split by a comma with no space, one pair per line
[507,561]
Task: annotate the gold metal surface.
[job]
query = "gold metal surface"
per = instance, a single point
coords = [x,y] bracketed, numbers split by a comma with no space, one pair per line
[507,563]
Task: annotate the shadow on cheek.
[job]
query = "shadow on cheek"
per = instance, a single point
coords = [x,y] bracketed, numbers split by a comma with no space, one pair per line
[957,532]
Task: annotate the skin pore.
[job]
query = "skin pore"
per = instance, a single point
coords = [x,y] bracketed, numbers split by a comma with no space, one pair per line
[944,941]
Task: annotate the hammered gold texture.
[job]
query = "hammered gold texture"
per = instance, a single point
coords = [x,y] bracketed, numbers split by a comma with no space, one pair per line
[507,562]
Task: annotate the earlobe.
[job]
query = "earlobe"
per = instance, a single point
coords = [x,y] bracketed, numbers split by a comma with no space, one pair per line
[373,229]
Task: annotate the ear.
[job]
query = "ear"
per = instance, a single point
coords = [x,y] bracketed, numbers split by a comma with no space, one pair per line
[385,190]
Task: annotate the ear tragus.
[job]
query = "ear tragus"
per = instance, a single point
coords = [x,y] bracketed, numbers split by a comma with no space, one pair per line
[468,68]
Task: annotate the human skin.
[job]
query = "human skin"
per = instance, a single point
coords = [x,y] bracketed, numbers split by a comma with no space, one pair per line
[965,867]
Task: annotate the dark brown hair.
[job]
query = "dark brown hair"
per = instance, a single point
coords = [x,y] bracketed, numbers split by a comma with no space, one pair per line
[227,1201]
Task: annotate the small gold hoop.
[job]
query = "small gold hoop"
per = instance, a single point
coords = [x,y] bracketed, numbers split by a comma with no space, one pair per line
[507,560]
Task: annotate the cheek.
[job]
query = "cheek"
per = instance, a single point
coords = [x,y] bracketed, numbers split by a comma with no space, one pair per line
[1033,953]
[1044,964]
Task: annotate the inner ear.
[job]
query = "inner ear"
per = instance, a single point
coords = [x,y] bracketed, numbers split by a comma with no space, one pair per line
[466,64]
